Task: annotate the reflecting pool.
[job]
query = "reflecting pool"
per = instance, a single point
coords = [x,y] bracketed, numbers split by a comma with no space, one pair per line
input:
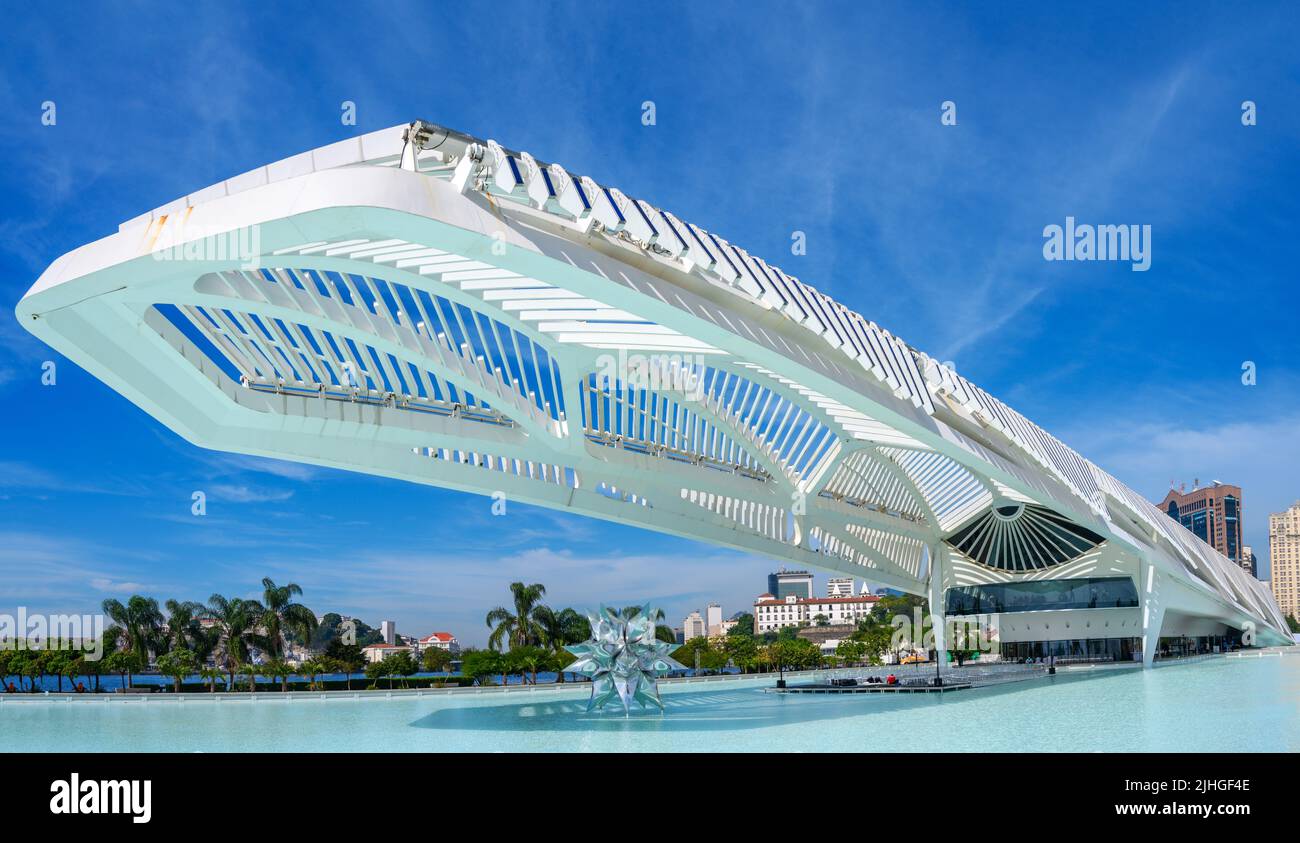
[1219,705]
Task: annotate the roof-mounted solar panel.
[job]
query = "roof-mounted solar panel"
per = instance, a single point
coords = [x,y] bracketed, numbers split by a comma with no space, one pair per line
[569,193]
[505,172]
[726,265]
[795,286]
[700,253]
[671,236]
[635,221]
[603,209]
[536,181]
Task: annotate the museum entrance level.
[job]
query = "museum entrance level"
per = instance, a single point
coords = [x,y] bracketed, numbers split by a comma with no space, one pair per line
[1042,595]
[1075,650]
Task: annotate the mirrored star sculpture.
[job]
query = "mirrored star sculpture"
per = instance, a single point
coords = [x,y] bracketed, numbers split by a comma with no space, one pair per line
[623,658]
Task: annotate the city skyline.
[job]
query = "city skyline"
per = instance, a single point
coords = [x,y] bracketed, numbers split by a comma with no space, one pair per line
[107,513]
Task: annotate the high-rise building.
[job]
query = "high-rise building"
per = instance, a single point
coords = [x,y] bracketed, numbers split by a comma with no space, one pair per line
[388,632]
[693,627]
[1249,563]
[713,619]
[1284,559]
[839,587]
[783,584]
[1212,512]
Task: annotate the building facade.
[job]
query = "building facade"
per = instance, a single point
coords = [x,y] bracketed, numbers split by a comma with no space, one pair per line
[839,587]
[713,620]
[1212,513]
[783,584]
[1284,559]
[442,641]
[1249,562]
[378,652]
[694,627]
[771,614]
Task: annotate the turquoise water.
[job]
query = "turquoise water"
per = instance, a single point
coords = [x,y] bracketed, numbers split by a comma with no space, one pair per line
[1221,705]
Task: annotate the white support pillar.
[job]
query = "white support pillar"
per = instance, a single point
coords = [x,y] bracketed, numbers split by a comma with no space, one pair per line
[936,600]
[1153,611]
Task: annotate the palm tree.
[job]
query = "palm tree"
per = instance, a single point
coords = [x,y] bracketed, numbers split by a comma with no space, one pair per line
[558,629]
[136,625]
[184,632]
[251,671]
[235,619]
[211,675]
[278,669]
[518,628]
[314,667]
[282,615]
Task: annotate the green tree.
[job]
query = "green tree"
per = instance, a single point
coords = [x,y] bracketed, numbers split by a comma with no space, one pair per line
[436,659]
[517,628]
[92,668]
[137,624]
[279,670]
[280,616]
[742,651]
[377,670]
[211,675]
[56,664]
[251,671]
[125,664]
[27,665]
[1293,623]
[711,658]
[851,651]
[177,663]
[315,666]
[528,660]
[559,629]
[402,664]
[185,632]
[482,665]
[744,625]
[234,619]
[347,658]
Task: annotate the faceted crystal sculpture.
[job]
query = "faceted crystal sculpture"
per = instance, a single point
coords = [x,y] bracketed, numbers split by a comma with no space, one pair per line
[623,658]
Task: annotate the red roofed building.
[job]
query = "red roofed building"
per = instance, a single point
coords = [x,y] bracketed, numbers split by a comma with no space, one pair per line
[441,640]
[770,614]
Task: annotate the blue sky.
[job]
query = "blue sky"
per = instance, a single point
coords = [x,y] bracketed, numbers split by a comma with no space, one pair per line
[817,118]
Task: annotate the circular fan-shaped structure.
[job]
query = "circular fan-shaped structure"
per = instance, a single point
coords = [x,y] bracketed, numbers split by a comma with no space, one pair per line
[1015,536]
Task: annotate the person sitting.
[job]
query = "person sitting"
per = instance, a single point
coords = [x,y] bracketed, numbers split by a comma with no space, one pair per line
[891,679]
[10,689]
[81,688]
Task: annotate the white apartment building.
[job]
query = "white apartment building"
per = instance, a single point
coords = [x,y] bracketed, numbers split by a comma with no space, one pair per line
[693,627]
[839,587]
[771,614]
[388,632]
[713,619]
[1284,559]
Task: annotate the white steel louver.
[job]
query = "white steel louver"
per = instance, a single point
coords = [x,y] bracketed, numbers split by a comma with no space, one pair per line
[1017,536]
